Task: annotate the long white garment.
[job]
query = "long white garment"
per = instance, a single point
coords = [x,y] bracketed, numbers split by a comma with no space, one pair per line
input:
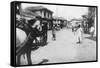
[79,34]
[92,29]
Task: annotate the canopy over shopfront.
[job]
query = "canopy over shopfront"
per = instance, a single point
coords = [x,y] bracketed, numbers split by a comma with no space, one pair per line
[29,15]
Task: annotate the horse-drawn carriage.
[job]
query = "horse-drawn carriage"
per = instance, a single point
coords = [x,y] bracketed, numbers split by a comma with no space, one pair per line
[31,33]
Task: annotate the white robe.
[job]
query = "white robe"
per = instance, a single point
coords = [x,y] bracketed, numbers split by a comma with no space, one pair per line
[79,34]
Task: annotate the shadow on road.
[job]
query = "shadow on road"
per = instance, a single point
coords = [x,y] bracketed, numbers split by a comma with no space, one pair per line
[91,38]
[43,61]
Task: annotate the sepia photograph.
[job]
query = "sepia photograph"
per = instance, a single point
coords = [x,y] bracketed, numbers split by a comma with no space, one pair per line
[53,34]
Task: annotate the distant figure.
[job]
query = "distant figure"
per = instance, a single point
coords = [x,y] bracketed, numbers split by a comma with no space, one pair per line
[73,29]
[53,33]
[79,34]
[92,30]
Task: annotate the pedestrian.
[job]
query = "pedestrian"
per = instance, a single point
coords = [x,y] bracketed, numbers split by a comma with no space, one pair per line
[79,33]
[92,30]
[53,33]
[73,29]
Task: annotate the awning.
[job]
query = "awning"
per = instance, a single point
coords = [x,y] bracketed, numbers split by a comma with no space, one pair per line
[29,15]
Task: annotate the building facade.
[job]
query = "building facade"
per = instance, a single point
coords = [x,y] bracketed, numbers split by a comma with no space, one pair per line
[46,14]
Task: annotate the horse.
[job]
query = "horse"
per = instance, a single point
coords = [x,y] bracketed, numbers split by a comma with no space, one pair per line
[25,35]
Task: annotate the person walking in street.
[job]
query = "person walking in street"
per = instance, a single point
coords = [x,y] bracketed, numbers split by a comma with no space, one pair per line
[92,30]
[79,34]
[73,29]
[53,32]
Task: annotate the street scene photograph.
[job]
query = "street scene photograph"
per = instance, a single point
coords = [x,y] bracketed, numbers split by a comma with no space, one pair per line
[49,34]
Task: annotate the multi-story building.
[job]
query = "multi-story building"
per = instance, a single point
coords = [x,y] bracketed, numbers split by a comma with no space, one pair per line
[46,14]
